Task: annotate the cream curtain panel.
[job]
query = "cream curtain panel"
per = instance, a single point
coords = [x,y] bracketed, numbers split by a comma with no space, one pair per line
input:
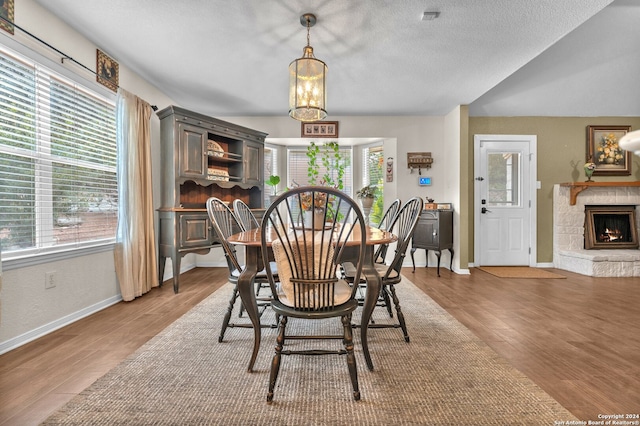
[135,250]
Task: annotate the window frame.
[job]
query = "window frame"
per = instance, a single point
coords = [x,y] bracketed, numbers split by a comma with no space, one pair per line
[34,256]
[377,210]
[273,169]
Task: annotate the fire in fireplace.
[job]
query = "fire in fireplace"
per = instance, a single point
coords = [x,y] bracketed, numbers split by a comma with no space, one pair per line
[610,227]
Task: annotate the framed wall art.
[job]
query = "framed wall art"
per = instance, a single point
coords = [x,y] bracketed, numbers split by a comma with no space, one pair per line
[6,11]
[603,150]
[320,129]
[106,71]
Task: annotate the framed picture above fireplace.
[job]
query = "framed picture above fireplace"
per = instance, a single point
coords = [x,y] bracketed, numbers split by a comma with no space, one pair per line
[603,150]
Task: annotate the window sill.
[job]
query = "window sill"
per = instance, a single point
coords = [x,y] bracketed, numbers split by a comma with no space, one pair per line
[36,259]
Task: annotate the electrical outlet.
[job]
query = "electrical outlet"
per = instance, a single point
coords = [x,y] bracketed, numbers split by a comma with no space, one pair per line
[49,279]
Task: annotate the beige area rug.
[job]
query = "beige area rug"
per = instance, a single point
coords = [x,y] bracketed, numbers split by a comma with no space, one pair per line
[445,376]
[519,272]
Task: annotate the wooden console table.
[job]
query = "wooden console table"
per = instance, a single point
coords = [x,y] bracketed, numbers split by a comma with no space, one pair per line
[577,187]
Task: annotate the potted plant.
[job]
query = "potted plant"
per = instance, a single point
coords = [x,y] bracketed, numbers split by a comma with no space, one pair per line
[366,195]
[589,168]
[368,191]
[273,182]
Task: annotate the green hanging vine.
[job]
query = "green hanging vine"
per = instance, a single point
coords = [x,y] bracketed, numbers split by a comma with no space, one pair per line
[333,162]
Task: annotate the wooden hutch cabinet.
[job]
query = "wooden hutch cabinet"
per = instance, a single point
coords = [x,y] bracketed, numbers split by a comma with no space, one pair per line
[202,157]
[434,231]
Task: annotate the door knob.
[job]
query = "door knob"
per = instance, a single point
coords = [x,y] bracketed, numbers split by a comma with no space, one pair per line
[485,210]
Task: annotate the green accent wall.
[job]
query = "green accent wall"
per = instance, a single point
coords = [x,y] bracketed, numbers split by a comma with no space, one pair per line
[562,148]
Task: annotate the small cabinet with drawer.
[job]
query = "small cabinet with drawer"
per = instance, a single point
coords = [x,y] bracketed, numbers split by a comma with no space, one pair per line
[194,230]
[434,232]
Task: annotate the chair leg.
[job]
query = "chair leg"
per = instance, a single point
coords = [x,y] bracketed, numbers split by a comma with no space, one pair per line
[399,313]
[275,363]
[387,301]
[351,359]
[227,316]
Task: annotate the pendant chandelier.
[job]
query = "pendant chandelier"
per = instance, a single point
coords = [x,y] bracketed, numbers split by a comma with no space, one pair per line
[307,82]
[631,142]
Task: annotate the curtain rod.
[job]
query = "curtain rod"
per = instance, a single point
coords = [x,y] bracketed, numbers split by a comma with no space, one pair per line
[64,55]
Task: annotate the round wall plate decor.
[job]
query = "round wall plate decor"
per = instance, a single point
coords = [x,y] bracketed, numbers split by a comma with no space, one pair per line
[215,149]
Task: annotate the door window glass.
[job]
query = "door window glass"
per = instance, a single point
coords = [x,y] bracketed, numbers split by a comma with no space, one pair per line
[503,184]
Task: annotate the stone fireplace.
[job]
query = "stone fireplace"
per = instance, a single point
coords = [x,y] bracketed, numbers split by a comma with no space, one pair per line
[610,201]
[610,227]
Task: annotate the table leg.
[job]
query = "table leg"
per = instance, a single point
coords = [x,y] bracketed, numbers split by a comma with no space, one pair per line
[371,298]
[247,295]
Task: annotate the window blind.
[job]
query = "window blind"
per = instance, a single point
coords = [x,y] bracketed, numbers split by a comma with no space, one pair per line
[298,164]
[372,166]
[58,186]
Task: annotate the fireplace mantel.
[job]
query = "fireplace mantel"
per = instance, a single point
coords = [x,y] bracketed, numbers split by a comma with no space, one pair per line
[577,187]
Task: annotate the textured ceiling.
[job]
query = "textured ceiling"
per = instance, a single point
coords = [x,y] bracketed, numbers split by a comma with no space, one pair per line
[501,57]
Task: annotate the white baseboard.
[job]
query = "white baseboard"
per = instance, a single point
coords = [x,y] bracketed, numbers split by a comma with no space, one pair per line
[538,265]
[212,264]
[54,325]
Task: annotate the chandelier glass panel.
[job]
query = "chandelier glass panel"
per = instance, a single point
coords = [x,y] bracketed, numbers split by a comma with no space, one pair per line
[307,82]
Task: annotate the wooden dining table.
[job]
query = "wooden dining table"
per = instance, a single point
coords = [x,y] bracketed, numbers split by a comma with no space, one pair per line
[251,240]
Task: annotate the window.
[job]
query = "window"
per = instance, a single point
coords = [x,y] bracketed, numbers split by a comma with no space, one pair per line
[504,188]
[373,174]
[270,168]
[372,167]
[58,186]
[298,165]
[298,168]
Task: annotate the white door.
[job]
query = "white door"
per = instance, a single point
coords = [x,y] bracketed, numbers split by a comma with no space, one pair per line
[504,200]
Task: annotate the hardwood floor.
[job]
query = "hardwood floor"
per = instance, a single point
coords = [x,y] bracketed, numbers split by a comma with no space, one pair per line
[576,338]
[39,377]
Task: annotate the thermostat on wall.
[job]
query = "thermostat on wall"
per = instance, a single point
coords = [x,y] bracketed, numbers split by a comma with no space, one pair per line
[424,181]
